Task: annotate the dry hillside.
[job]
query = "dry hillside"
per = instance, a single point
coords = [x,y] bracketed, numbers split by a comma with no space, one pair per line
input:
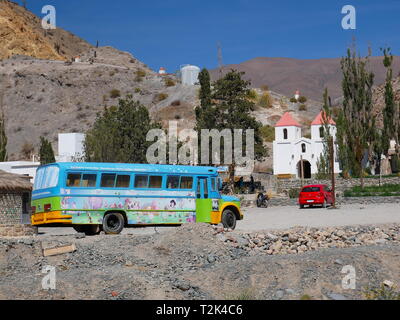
[310,76]
[21,33]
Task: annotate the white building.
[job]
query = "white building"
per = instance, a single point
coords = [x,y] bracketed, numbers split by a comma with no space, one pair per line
[70,147]
[293,153]
[27,168]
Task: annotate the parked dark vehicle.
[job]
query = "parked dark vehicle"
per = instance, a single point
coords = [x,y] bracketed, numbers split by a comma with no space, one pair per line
[262,200]
[317,194]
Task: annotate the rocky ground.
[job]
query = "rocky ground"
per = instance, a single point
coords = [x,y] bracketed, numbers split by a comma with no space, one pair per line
[198,261]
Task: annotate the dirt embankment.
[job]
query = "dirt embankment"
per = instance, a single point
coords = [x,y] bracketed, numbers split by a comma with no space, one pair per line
[190,262]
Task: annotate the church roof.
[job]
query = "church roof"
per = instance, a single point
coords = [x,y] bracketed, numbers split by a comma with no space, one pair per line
[287,121]
[320,121]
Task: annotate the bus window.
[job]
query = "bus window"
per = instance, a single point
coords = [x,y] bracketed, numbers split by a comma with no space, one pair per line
[155,182]
[173,182]
[123,181]
[186,183]
[88,180]
[73,179]
[141,181]
[205,188]
[213,184]
[108,180]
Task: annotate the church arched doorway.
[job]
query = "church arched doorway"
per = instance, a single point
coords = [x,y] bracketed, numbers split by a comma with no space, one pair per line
[306,166]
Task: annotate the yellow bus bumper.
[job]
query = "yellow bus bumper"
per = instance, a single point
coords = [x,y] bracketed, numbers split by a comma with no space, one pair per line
[50,217]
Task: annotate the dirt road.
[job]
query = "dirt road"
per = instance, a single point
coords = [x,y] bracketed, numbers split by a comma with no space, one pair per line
[278,218]
[287,217]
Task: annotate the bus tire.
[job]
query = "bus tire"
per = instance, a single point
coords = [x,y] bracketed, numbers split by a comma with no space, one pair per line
[229,219]
[88,229]
[113,223]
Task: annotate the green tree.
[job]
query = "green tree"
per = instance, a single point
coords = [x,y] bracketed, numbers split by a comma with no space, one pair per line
[323,163]
[357,124]
[233,111]
[3,136]
[119,134]
[46,152]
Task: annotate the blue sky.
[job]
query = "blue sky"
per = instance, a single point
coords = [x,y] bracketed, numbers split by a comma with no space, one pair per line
[173,32]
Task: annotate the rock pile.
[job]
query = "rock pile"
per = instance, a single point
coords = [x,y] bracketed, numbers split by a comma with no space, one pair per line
[299,240]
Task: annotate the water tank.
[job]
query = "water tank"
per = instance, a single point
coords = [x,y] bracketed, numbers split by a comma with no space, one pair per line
[190,75]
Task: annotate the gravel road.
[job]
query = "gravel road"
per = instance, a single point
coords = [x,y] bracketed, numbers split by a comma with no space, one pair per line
[276,218]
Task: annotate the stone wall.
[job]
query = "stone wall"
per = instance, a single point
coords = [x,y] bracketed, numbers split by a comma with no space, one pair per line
[283,185]
[274,202]
[11,217]
[17,230]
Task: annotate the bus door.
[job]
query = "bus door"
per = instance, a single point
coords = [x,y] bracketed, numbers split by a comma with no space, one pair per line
[203,203]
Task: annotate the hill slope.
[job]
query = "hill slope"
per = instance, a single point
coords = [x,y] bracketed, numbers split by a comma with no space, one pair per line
[286,75]
[21,33]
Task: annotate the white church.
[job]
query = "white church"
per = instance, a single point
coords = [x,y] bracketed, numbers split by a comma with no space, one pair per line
[293,153]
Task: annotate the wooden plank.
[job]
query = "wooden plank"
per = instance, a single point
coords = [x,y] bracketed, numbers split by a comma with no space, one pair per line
[59,250]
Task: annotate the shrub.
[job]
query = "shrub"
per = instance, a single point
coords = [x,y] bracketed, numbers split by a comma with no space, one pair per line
[303,107]
[293,100]
[252,94]
[268,133]
[294,193]
[169,82]
[381,293]
[161,96]
[265,100]
[115,93]
[138,90]
[177,117]
[176,103]
[302,99]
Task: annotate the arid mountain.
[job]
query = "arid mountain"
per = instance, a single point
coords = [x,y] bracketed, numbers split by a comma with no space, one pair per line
[286,75]
[21,33]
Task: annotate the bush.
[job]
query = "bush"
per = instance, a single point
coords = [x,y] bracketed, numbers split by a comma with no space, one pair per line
[265,100]
[176,103]
[138,90]
[303,107]
[268,133]
[169,82]
[293,100]
[294,193]
[161,97]
[115,93]
[381,293]
[252,95]
[302,99]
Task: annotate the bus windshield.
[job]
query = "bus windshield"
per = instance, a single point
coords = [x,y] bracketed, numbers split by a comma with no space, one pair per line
[46,177]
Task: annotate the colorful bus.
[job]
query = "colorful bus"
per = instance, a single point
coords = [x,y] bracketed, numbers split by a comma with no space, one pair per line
[92,197]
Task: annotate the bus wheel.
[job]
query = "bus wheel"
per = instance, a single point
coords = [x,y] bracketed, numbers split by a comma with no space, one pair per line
[87,229]
[113,223]
[229,219]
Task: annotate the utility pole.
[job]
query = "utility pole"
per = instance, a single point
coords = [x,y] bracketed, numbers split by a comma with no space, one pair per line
[332,165]
[302,171]
[220,60]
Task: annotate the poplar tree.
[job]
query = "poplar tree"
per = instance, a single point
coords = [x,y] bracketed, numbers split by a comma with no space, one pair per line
[358,126]
[3,136]
[46,152]
[323,163]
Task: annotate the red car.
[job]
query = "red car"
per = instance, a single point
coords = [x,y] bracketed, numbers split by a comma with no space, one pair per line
[316,194]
